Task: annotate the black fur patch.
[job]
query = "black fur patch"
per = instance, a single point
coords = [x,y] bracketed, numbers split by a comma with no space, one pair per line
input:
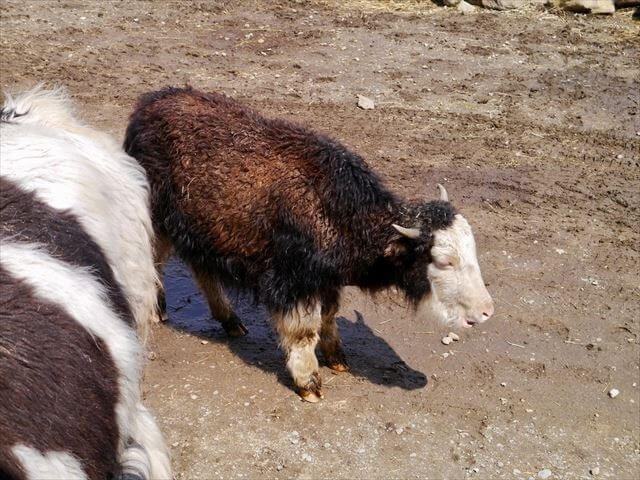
[24,218]
[58,384]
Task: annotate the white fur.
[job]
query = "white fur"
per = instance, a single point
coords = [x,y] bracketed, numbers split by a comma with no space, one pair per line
[458,294]
[50,466]
[70,166]
[47,151]
[82,296]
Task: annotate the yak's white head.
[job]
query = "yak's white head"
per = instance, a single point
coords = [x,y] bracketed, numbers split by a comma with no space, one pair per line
[457,296]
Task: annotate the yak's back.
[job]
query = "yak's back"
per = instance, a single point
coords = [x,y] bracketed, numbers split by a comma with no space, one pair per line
[216,158]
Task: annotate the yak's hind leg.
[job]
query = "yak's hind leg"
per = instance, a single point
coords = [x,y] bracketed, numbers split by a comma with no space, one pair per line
[219,304]
[162,252]
[298,331]
[330,344]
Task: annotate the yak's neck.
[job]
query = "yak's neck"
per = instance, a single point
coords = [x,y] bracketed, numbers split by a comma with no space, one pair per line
[374,270]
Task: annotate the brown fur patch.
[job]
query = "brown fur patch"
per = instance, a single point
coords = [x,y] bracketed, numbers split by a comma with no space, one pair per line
[58,384]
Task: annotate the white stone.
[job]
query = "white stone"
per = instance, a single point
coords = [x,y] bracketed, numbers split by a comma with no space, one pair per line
[466,8]
[454,336]
[446,340]
[365,103]
[589,6]
[614,392]
[546,473]
[594,471]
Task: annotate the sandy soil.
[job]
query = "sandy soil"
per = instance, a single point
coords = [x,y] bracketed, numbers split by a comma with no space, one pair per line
[532,121]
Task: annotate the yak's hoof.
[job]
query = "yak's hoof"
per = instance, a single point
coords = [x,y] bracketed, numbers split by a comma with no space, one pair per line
[160,317]
[336,360]
[235,328]
[312,391]
[338,367]
[310,397]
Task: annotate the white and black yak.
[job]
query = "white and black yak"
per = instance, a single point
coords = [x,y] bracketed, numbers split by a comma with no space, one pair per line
[77,287]
[293,216]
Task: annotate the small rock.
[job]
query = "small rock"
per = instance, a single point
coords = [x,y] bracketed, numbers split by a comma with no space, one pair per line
[365,103]
[546,473]
[454,336]
[594,471]
[194,397]
[451,3]
[614,392]
[475,469]
[466,8]
[500,464]
[294,437]
[446,340]
[152,356]
[445,354]
[399,430]
[503,384]
[516,471]
[413,454]
[204,342]
[307,458]
[279,467]
[504,401]
[589,6]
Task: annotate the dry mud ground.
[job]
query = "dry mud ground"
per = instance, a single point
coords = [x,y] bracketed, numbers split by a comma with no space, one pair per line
[531,119]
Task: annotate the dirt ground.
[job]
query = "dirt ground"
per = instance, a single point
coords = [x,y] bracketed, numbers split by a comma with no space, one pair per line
[532,121]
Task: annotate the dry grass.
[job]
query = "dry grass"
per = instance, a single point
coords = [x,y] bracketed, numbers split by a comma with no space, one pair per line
[381,6]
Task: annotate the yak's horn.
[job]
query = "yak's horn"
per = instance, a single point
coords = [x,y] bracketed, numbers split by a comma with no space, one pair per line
[444,196]
[407,232]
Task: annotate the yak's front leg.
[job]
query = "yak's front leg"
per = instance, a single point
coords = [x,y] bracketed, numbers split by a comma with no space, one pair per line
[330,344]
[298,331]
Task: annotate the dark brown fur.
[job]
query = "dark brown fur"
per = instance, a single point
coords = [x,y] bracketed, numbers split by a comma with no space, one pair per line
[24,218]
[270,206]
[58,384]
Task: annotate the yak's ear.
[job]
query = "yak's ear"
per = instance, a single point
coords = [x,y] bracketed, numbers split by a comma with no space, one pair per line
[396,249]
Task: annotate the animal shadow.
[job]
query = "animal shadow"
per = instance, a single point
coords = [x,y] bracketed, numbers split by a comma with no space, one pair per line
[369,356]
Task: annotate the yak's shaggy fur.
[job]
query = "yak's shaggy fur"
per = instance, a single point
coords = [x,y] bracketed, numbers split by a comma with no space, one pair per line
[77,278]
[273,208]
[270,206]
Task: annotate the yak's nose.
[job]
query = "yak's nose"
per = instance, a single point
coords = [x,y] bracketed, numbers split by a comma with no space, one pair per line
[487,310]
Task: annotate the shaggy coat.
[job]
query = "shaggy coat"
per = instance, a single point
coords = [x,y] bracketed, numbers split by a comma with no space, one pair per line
[76,281]
[270,206]
[273,208]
